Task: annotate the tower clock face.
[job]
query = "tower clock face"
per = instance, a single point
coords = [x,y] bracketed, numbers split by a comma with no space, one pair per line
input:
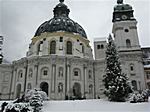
[124,17]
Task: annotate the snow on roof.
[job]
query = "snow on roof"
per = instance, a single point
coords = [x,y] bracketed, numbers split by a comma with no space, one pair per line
[100,39]
[147,66]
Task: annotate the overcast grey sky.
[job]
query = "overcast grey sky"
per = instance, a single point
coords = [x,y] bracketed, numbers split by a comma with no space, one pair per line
[19,20]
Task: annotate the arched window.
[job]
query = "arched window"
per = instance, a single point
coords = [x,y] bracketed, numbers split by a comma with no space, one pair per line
[60,88]
[29,86]
[128,43]
[76,72]
[131,67]
[102,46]
[60,74]
[53,47]
[90,89]
[20,74]
[134,84]
[39,47]
[30,73]
[69,47]
[44,71]
[18,91]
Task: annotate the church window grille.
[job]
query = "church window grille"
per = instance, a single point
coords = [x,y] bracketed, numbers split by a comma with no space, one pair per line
[69,47]
[53,47]
[128,43]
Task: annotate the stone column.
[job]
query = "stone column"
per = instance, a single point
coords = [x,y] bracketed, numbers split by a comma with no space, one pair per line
[85,81]
[53,78]
[36,74]
[68,78]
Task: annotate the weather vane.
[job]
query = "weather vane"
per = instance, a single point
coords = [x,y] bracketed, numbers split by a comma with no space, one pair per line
[61,1]
[120,1]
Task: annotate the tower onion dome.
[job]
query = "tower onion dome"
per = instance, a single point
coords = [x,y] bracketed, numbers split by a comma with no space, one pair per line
[122,12]
[61,22]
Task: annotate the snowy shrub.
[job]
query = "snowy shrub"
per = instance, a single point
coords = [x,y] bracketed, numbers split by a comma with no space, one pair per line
[137,97]
[36,101]
[30,93]
[18,107]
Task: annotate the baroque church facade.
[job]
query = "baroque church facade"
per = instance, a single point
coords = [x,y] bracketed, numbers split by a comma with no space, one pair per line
[61,63]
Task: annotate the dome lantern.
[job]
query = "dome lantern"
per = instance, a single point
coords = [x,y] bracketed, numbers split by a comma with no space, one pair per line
[119,1]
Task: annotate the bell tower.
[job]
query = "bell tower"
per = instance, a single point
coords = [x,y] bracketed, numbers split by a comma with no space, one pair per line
[126,39]
[125,27]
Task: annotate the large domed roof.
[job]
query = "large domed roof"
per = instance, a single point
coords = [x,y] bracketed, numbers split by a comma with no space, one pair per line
[61,22]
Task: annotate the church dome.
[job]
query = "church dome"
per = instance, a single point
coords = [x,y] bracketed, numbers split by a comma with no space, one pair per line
[61,22]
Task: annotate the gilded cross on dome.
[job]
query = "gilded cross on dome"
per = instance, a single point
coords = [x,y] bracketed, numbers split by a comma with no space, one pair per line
[61,1]
[120,1]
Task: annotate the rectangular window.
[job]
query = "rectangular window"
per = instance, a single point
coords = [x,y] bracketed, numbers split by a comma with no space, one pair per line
[132,74]
[21,75]
[45,72]
[131,68]
[75,73]
[98,47]
[61,39]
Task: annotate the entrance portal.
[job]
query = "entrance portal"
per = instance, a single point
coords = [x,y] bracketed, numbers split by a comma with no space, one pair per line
[77,90]
[44,87]
[18,91]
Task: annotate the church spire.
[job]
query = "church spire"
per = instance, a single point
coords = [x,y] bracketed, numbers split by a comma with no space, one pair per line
[119,1]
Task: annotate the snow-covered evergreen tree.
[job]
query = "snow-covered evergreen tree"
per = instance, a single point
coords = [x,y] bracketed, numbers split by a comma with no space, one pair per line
[29,94]
[115,82]
[36,101]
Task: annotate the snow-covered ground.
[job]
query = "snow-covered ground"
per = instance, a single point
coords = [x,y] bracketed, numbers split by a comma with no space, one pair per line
[94,106]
